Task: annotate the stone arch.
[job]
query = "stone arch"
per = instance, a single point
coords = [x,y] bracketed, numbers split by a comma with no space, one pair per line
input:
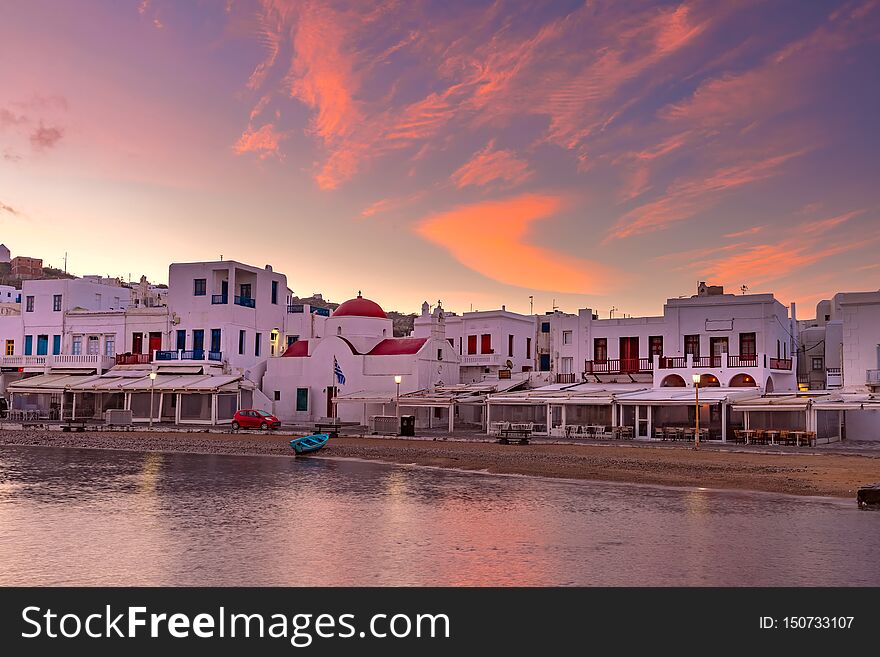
[672,381]
[743,380]
[768,387]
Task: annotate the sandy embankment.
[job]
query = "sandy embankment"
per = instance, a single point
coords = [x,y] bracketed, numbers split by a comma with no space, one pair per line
[793,473]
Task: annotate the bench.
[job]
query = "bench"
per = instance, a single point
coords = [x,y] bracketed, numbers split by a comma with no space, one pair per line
[522,434]
[332,428]
[73,426]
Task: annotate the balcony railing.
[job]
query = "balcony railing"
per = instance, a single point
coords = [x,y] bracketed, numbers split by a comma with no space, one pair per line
[566,378]
[707,361]
[97,361]
[247,302]
[189,354]
[300,308]
[133,359]
[619,366]
[481,359]
[780,364]
[218,299]
[872,377]
[673,362]
[743,360]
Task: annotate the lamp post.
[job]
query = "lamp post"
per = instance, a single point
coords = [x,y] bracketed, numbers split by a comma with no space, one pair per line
[152,381]
[398,380]
[696,379]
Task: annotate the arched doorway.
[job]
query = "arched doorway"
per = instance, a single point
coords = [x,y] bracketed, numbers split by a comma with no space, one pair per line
[769,385]
[709,381]
[672,381]
[743,381]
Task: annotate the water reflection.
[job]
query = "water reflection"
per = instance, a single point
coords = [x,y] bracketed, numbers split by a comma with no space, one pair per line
[107,517]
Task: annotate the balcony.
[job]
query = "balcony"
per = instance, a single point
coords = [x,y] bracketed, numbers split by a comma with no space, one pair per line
[566,378]
[834,377]
[247,302]
[872,377]
[619,366]
[672,362]
[300,308]
[219,299]
[189,354]
[707,361]
[743,360]
[84,361]
[484,360]
[133,359]
[780,364]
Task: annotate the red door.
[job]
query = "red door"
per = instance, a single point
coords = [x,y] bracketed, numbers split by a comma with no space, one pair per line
[137,343]
[155,342]
[629,354]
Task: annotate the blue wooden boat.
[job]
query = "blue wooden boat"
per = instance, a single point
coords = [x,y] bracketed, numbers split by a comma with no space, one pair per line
[309,444]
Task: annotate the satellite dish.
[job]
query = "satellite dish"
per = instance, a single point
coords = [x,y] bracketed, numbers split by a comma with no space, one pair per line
[509,364]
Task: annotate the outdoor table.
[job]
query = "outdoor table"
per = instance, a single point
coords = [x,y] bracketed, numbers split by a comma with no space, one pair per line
[797,436]
[772,434]
[749,434]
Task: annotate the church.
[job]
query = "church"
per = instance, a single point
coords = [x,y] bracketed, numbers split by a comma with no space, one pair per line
[357,352]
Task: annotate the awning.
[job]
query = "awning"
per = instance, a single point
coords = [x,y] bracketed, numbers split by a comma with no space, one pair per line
[49,382]
[686,396]
[580,394]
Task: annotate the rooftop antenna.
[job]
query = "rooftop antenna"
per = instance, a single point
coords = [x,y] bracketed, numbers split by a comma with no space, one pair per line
[744,288]
[531,304]
[611,312]
[553,306]
[65,262]
[221,257]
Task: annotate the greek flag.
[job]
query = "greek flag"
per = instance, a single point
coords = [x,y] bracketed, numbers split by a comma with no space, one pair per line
[340,377]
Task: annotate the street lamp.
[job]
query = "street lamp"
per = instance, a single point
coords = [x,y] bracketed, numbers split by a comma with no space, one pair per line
[152,381]
[696,379]
[398,380]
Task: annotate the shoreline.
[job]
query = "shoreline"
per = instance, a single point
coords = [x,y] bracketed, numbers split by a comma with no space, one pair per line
[791,473]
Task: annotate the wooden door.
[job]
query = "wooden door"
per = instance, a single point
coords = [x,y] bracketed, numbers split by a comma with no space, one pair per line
[629,354]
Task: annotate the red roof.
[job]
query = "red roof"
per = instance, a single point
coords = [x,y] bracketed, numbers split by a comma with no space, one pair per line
[397,346]
[360,307]
[298,348]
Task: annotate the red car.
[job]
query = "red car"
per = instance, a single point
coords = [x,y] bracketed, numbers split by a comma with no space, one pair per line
[250,418]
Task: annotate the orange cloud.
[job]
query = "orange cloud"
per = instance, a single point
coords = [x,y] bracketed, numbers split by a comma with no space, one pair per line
[493,238]
[689,197]
[264,142]
[491,166]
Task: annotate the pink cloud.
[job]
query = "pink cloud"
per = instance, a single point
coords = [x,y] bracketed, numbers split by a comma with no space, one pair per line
[264,142]
[45,137]
[492,166]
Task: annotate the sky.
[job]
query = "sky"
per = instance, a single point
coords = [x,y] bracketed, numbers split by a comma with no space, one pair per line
[587,154]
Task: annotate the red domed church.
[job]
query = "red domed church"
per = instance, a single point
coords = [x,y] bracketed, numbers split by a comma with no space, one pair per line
[356,352]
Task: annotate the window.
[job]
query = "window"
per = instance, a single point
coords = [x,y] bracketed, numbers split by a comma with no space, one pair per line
[77,345]
[10,347]
[198,340]
[656,343]
[56,303]
[692,345]
[827,318]
[181,339]
[110,345]
[290,339]
[257,340]
[566,365]
[215,340]
[440,354]
[56,345]
[245,291]
[97,301]
[486,344]
[528,348]
[277,395]
[545,327]
[510,345]
[566,337]
[817,363]
[302,399]
[747,345]
[28,345]
[42,345]
[29,304]
[93,345]
[600,350]
[200,287]
[472,344]
[544,363]
[242,337]
[275,292]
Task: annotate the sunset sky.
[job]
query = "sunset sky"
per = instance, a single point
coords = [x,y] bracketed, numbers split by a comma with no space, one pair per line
[596,153]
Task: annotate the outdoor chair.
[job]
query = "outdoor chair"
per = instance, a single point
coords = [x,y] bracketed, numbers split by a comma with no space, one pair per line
[659,433]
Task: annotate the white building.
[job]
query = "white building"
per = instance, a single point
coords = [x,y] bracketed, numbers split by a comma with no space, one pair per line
[486,341]
[226,311]
[9,294]
[356,353]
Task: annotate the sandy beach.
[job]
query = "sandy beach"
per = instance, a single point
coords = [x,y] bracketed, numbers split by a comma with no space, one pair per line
[805,473]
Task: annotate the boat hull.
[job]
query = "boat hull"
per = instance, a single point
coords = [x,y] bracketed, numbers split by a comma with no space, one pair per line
[309,444]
